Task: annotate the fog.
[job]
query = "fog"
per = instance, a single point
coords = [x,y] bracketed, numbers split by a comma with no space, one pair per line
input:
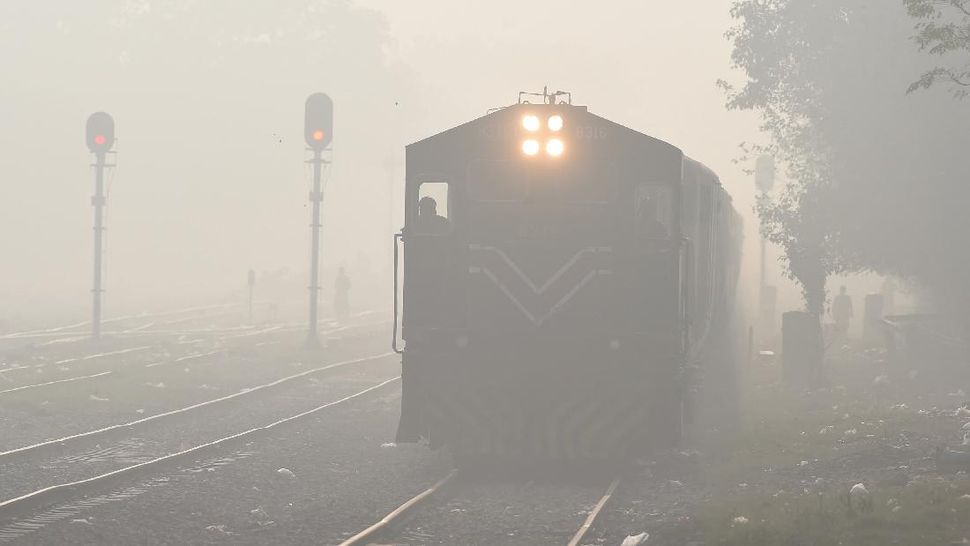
[208,96]
[727,304]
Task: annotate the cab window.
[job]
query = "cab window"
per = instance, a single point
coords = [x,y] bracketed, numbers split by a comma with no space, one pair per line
[433,210]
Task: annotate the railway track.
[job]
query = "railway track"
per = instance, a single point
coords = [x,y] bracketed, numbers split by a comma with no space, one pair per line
[13,387]
[380,530]
[72,331]
[246,393]
[20,507]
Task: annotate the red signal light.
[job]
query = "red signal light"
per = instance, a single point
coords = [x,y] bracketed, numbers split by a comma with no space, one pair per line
[99,133]
[318,122]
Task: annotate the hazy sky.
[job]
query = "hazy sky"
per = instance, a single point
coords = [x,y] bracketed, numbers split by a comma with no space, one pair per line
[650,65]
[210,179]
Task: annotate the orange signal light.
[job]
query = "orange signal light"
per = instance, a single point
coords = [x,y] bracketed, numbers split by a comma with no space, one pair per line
[318,135]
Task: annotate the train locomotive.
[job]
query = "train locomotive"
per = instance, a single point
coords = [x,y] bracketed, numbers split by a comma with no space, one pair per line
[561,275]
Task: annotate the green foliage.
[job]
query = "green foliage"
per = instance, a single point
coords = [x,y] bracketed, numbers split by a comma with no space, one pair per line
[943,29]
[874,172]
[785,49]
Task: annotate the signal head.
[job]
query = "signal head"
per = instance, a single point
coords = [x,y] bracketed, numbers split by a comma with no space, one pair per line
[318,121]
[100,133]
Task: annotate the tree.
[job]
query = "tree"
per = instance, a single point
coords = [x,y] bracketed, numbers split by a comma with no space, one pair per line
[783,48]
[877,175]
[943,29]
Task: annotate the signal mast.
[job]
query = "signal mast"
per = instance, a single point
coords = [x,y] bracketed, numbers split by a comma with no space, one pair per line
[100,136]
[318,134]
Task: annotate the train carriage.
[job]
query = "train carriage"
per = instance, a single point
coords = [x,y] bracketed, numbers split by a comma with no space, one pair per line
[569,279]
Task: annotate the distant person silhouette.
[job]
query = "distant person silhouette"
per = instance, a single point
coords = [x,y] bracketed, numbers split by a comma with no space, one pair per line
[842,312]
[429,222]
[341,296]
[648,225]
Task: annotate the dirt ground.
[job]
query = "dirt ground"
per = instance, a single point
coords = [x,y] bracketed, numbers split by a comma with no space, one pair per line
[790,476]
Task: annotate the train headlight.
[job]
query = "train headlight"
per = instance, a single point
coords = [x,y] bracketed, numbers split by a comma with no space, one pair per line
[555,147]
[555,123]
[531,123]
[530,147]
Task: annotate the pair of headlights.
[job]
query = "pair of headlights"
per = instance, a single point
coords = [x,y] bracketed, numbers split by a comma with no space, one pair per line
[554,147]
[532,124]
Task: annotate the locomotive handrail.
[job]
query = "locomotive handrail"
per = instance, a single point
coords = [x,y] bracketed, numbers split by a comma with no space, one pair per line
[398,240]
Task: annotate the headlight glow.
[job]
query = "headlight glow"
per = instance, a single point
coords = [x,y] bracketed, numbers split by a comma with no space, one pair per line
[555,147]
[531,123]
[530,147]
[555,123]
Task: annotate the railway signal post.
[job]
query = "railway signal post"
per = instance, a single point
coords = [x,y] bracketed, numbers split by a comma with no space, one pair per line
[767,295]
[100,136]
[318,134]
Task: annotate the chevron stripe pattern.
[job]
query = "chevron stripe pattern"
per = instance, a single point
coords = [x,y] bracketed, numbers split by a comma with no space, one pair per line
[539,300]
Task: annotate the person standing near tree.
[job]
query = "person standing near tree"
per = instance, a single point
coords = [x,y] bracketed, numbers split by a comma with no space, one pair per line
[842,313]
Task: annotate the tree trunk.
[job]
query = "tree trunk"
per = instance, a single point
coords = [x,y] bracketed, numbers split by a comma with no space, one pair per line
[803,349]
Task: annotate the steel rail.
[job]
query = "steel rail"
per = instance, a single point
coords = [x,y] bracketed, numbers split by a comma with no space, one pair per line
[59,381]
[367,535]
[594,514]
[60,329]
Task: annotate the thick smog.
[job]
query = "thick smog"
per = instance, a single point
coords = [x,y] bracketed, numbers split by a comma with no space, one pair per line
[364,272]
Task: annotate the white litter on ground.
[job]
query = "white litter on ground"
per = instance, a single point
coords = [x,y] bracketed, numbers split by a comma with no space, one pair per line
[221,529]
[635,540]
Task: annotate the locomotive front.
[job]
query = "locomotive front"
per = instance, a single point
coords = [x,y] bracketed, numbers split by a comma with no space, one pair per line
[544,308]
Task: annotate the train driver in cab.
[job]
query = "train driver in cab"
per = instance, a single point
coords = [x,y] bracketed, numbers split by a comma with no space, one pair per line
[649,225]
[429,222]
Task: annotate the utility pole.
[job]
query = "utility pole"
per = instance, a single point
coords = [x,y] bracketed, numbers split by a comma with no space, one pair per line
[762,283]
[318,133]
[100,131]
